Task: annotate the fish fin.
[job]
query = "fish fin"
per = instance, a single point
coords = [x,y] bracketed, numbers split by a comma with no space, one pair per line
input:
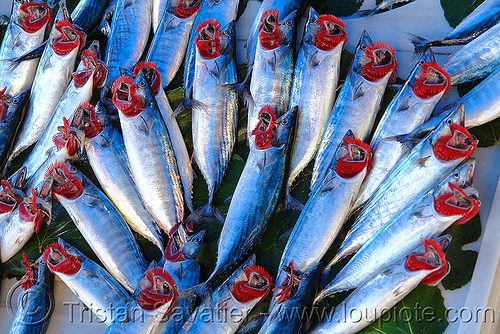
[243,89]
[202,290]
[178,272]
[254,324]
[228,199]
[262,165]
[311,58]
[293,203]
[422,161]
[186,104]
[4,20]
[105,27]
[419,44]
[143,126]
[103,142]
[359,92]
[215,70]
[403,107]
[203,213]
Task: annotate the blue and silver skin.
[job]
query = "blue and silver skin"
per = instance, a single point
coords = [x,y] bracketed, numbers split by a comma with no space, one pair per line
[88,13]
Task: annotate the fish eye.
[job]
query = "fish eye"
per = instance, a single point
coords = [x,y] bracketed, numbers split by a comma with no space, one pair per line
[227,32]
[142,84]
[15,101]
[66,247]
[288,23]
[196,240]
[456,175]
[284,122]
[448,121]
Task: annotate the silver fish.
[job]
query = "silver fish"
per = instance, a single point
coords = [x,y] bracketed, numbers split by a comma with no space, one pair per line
[108,158]
[88,13]
[446,205]
[100,224]
[149,150]
[246,287]
[93,285]
[11,194]
[386,289]
[411,107]
[359,99]
[432,159]
[24,33]
[170,41]
[314,87]
[273,66]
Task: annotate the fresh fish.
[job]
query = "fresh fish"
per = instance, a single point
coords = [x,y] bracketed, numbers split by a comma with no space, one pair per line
[129,34]
[97,289]
[477,59]
[314,87]
[170,41]
[411,107]
[11,194]
[12,111]
[178,145]
[108,158]
[284,7]
[257,191]
[215,120]
[439,209]
[246,287]
[181,247]
[373,67]
[154,297]
[432,159]
[90,75]
[51,80]
[100,224]
[24,33]
[34,210]
[485,16]
[224,11]
[386,289]
[37,300]
[383,6]
[273,66]
[88,13]
[149,150]
[324,214]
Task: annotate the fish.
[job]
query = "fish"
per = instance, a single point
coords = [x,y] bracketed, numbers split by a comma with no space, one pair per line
[129,35]
[52,77]
[272,71]
[214,122]
[93,285]
[34,210]
[153,298]
[239,294]
[100,224]
[373,67]
[384,5]
[314,87]
[11,194]
[88,13]
[12,111]
[149,150]
[89,75]
[170,41]
[178,144]
[25,33]
[389,286]
[33,313]
[224,11]
[432,159]
[439,209]
[324,214]
[411,107]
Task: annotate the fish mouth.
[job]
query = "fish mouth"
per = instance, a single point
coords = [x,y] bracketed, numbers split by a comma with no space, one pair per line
[2,103]
[357,158]
[36,209]
[433,80]
[269,35]
[257,285]
[65,184]
[124,96]
[33,16]
[460,202]
[290,285]
[70,136]
[93,68]
[8,200]
[59,261]
[208,40]
[381,62]
[160,289]
[460,145]
[433,259]
[30,274]
[332,32]
[150,71]
[92,126]
[66,38]
[187,8]
[265,129]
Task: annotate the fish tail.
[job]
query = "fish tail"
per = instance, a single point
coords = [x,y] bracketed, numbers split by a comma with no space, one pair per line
[293,203]
[243,90]
[420,44]
[203,213]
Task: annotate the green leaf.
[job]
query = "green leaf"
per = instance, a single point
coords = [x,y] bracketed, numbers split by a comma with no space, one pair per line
[456,10]
[488,134]
[337,7]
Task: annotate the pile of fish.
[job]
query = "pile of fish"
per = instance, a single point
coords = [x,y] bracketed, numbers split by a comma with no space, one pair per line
[403,180]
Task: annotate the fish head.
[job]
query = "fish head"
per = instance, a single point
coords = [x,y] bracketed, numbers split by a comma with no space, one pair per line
[157,289]
[461,203]
[433,80]
[353,156]
[91,70]
[193,244]
[30,276]
[71,135]
[8,198]
[10,104]
[59,261]
[379,61]
[255,286]
[325,32]
[67,180]
[461,176]
[37,208]
[125,96]
[92,124]
[66,38]
[451,141]
[208,40]
[227,38]
[185,8]
[268,32]
[432,261]
[33,16]
[150,72]
[284,127]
